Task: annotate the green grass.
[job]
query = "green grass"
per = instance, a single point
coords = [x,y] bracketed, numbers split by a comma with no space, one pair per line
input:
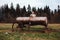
[29,35]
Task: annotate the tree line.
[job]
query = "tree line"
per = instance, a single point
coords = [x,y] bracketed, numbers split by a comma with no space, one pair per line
[9,14]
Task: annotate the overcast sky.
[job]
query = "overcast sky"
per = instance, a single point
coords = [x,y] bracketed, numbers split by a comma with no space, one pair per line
[33,3]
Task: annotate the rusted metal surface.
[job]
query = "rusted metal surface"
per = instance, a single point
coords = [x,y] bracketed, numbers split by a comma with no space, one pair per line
[31,18]
[36,19]
[32,21]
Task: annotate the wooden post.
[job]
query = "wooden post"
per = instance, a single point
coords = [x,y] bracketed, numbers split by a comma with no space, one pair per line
[12,27]
[46,28]
[29,26]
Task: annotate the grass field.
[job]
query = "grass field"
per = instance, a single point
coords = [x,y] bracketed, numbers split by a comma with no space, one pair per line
[35,33]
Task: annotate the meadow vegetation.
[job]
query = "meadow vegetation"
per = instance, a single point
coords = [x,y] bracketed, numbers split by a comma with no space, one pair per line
[35,33]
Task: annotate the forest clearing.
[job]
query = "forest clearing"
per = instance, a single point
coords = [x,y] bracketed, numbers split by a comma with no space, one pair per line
[35,33]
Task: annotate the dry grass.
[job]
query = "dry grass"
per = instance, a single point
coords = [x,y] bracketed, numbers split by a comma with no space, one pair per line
[54,26]
[28,35]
